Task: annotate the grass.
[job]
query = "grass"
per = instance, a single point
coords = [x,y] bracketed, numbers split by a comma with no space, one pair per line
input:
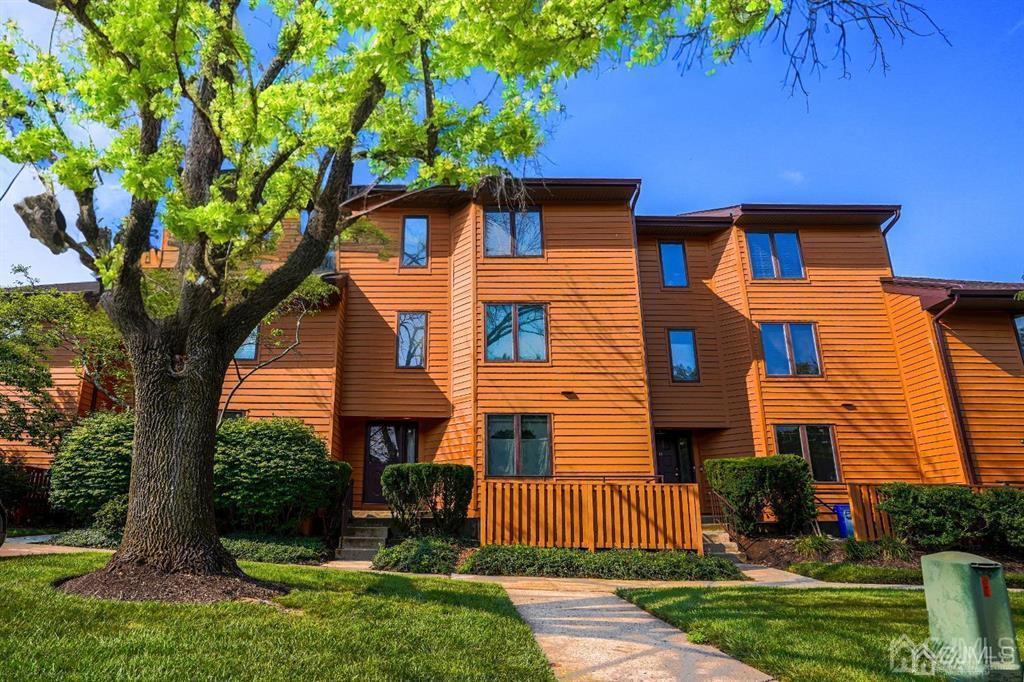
[25,532]
[333,625]
[246,546]
[801,635]
[879,575]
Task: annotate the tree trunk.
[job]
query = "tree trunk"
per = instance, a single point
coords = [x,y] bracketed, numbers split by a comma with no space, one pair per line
[171,525]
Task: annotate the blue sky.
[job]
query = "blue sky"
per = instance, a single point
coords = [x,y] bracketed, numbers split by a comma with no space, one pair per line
[942,133]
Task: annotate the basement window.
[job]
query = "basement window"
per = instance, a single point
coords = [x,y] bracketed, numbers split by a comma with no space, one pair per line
[813,442]
[518,445]
[775,255]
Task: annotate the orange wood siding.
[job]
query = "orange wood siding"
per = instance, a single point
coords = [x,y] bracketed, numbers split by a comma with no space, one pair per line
[927,394]
[843,296]
[990,380]
[378,291]
[66,393]
[678,404]
[301,384]
[588,279]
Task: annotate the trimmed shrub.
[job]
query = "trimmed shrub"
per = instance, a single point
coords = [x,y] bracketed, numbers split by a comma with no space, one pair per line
[275,550]
[426,490]
[813,546]
[618,564]
[93,465]
[419,555]
[269,474]
[111,517]
[781,483]
[87,537]
[1003,511]
[932,516]
[14,481]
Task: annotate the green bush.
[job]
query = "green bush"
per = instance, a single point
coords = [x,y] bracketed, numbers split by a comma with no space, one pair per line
[894,549]
[87,537]
[93,464]
[419,555]
[618,564]
[14,481]
[932,516]
[422,491]
[1003,510]
[111,517]
[275,550]
[781,483]
[859,550]
[270,474]
[813,546]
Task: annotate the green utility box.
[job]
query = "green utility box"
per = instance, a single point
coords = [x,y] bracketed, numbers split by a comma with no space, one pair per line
[969,617]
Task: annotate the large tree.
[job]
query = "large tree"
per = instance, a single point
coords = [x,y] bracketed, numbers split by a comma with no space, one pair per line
[220,118]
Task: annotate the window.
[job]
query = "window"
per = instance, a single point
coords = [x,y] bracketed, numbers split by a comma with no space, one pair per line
[412,340]
[682,345]
[518,445]
[790,349]
[814,443]
[775,255]
[247,351]
[513,233]
[415,240]
[516,332]
[233,414]
[673,264]
[1018,322]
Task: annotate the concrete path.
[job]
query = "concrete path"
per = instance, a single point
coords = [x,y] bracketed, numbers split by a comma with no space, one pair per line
[598,636]
[29,545]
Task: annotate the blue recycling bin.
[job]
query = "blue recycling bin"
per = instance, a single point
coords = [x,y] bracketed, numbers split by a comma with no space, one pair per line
[845,519]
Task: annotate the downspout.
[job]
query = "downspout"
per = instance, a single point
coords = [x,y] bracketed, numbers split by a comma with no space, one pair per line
[962,433]
[885,233]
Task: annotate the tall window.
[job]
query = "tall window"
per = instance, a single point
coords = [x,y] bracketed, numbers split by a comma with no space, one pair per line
[415,240]
[513,233]
[247,351]
[682,345]
[775,255]
[814,443]
[1018,322]
[790,349]
[516,332]
[412,340]
[518,445]
[673,264]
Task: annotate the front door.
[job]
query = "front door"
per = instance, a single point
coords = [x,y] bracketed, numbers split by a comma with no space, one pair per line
[386,443]
[674,456]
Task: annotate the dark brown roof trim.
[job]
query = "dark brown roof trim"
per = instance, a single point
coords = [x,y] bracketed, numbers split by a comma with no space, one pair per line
[538,189]
[670,224]
[803,214]
[934,292]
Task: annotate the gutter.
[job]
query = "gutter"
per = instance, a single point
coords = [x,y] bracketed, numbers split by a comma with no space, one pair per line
[963,435]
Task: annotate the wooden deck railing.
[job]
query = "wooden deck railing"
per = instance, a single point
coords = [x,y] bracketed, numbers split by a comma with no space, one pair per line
[870,522]
[591,514]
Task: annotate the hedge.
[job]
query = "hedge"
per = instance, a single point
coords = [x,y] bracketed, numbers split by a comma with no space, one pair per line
[419,555]
[14,481]
[426,490]
[276,550]
[933,517]
[781,483]
[111,517]
[1003,510]
[270,474]
[618,564]
[93,464]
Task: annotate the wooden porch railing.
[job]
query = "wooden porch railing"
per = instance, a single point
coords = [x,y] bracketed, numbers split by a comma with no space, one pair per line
[870,522]
[591,514]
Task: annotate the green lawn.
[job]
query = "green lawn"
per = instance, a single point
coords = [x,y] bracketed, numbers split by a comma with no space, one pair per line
[333,625]
[25,532]
[801,634]
[880,575]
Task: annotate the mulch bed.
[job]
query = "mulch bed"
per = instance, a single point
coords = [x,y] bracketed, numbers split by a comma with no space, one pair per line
[142,583]
[779,553]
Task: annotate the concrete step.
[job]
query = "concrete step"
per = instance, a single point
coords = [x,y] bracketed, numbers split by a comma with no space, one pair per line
[715,527]
[735,558]
[362,543]
[721,547]
[717,537]
[366,532]
[348,554]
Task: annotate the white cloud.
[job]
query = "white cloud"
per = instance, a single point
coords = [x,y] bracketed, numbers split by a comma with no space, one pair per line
[794,177]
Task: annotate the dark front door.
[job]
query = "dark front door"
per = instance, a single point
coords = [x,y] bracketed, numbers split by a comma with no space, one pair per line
[674,456]
[386,443]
